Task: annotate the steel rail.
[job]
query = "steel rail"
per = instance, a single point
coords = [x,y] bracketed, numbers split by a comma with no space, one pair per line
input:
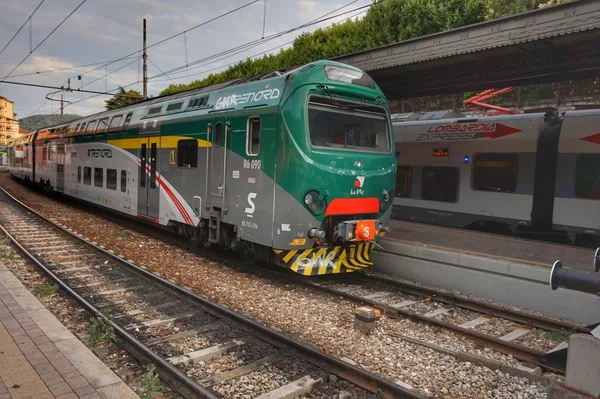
[192,389]
[357,376]
[518,351]
[481,307]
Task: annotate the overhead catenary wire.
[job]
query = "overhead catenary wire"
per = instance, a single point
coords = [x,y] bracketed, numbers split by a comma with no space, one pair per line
[165,74]
[176,35]
[88,84]
[239,60]
[255,43]
[157,67]
[22,26]
[226,65]
[103,64]
[53,113]
[44,40]
[324,17]
[55,87]
[236,50]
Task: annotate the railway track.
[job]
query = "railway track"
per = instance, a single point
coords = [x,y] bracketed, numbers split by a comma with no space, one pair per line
[202,349]
[506,330]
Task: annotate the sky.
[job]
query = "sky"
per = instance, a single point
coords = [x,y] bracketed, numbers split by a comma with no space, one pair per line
[106,30]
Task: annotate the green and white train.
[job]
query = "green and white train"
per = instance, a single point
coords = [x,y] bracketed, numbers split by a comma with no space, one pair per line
[295,168]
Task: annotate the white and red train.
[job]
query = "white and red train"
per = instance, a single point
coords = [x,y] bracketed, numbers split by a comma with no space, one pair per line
[528,172]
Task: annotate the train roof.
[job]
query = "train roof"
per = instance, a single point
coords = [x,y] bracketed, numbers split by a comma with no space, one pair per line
[467,119]
[582,112]
[204,98]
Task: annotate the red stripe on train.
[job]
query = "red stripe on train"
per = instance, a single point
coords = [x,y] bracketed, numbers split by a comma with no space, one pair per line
[352,206]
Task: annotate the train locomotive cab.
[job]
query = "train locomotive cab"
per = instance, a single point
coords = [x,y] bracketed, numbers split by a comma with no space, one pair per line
[339,166]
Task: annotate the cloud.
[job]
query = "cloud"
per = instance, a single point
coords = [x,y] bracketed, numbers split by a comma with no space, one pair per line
[109,29]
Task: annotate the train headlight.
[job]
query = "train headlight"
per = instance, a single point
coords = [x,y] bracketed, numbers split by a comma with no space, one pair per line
[386,196]
[308,199]
[386,200]
[313,202]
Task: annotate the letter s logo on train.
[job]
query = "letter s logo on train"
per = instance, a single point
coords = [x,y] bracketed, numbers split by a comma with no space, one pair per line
[250,210]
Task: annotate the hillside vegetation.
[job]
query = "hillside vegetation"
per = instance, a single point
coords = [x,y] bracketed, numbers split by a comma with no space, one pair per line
[37,121]
[386,22]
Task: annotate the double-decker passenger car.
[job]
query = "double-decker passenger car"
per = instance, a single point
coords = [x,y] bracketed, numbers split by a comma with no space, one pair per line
[537,172]
[297,168]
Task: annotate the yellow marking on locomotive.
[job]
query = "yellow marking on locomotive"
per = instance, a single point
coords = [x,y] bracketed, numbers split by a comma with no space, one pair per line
[290,255]
[320,261]
[299,258]
[165,142]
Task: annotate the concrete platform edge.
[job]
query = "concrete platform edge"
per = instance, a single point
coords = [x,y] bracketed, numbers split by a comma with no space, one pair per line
[102,378]
[513,283]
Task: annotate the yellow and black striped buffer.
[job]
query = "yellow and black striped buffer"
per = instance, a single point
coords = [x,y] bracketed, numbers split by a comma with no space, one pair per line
[327,260]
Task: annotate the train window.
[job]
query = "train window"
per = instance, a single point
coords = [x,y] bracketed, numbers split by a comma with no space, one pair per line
[440,184]
[111,179]
[341,125]
[98,177]
[495,172]
[102,125]
[127,120]
[403,181]
[91,126]
[587,176]
[123,180]
[87,175]
[187,153]
[253,136]
[154,110]
[174,106]
[115,121]
[79,174]
[219,134]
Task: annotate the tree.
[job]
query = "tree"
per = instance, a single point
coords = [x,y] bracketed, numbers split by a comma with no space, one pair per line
[386,22]
[123,98]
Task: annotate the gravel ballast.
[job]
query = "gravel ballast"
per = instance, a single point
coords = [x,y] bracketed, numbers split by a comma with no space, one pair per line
[320,319]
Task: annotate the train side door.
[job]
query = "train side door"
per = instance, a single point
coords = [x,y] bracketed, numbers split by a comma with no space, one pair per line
[148,187]
[218,159]
[60,168]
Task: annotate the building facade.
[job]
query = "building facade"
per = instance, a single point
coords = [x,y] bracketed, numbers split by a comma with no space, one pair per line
[9,126]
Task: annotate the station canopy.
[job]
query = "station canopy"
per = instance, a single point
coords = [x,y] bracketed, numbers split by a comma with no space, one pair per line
[551,44]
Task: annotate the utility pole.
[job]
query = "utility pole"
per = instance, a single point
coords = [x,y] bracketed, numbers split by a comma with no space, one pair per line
[61,107]
[145,57]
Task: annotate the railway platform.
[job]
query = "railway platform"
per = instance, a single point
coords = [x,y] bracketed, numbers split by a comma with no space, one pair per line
[40,358]
[500,268]
[490,246]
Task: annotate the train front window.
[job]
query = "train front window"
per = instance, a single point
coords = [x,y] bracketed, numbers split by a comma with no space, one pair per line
[345,125]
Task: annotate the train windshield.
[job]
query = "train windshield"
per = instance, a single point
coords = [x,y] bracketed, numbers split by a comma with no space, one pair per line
[345,125]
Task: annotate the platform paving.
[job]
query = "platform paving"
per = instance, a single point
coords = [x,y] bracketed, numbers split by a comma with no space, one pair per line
[40,358]
[491,246]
